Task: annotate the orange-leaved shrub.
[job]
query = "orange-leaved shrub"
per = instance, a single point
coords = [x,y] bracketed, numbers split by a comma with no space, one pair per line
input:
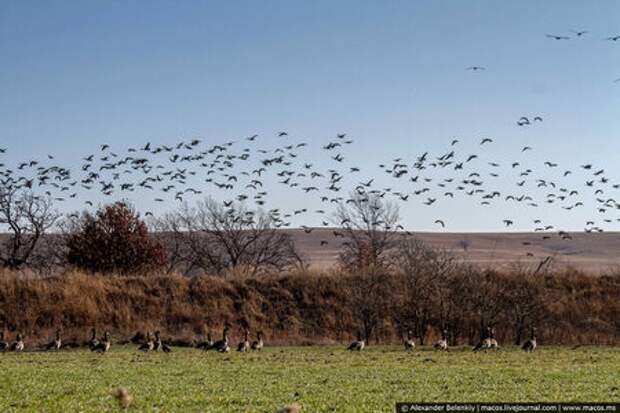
[114,240]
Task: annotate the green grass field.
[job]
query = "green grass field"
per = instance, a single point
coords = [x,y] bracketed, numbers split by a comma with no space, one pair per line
[320,379]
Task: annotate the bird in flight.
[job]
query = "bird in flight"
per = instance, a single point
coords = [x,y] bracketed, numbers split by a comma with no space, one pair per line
[579,33]
[475,68]
[556,37]
[613,38]
[523,121]
[485,140]
[440,222]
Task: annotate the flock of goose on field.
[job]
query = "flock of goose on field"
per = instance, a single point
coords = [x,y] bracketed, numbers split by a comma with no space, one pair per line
[155,343]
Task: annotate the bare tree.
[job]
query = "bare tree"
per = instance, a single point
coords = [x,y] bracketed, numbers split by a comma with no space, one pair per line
[368,297]
[426,276]
[414,307]
[370,225]
[486,294]
[229,236]
[173,232]
[26,217]
[457,305]
[523,299]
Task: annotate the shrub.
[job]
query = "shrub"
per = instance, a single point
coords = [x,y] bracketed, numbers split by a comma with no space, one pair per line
[114,240]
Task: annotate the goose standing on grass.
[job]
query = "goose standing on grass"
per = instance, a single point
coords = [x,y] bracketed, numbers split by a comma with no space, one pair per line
[157,342]
[148,344]
[222,346]
[443,343]
[244,345]
[206,345]
[18,344]
[93,339]
[492,341]
[409,342]
[56,343]
[103,346]
[357,345]
[485,343]
[160,345]
[258,343]
[3,344]
[530,345]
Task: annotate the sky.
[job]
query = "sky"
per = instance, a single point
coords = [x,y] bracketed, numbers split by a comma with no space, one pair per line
[392,75]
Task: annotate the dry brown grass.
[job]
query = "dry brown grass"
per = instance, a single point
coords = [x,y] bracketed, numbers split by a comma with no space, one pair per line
[297,308]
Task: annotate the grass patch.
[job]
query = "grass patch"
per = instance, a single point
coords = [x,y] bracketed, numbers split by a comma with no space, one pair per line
[320,379]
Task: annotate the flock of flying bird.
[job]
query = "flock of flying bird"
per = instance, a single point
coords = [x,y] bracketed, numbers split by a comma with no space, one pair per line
[580,33]
[577,33]
[241,171]
[243,175]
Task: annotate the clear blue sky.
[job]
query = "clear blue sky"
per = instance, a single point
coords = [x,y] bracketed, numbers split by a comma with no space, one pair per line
[390,74]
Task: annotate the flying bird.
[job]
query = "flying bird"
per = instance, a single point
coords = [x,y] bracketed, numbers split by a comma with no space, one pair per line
[579,33]
[556,37]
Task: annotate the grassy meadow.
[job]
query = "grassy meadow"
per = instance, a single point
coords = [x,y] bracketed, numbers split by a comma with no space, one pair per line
[320,379]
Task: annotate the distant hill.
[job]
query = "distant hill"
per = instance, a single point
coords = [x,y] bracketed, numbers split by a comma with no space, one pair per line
[593,252]
[590,252]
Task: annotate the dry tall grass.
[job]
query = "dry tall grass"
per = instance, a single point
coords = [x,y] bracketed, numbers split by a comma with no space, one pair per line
[297,308]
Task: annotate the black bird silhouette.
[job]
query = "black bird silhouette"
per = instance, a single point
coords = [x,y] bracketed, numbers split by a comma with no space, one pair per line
[579,33]
[556,37]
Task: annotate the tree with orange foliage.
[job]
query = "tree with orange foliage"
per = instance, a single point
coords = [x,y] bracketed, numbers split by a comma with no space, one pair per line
[114,240]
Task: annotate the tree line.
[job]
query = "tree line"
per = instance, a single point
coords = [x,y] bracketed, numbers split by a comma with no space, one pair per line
[388,283]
